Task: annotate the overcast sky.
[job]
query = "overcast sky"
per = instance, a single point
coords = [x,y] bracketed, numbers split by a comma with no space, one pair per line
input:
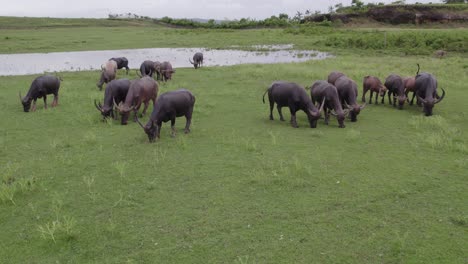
[217,9]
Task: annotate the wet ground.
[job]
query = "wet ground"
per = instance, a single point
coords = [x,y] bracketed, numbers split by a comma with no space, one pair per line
[34,63]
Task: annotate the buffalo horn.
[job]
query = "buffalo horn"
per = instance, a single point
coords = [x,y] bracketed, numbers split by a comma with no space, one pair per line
[191,61]
[116,105]
[346,112]
[137,73]
[348,106]
[333,113]
[138,121]
[442,97]
[321,107]
[362,106]
[97,107]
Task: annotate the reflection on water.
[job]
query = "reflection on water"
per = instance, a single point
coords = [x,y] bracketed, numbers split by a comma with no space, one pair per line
[34,63]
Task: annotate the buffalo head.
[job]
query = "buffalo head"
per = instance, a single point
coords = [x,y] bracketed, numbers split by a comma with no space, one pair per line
[124,111]
[314,114]
[429,103]
[105,111]
[26,102]
[354,111]
[150,129]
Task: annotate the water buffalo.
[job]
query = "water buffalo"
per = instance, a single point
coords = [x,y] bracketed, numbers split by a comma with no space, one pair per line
[122,62]
[141,91]
[373,84]
[147,68]
[322,90]
[410,86]
[348,92]
[166,71]
[197,60]
[440,53]
[116,91]
[169,106]
[333,76]
[426,91]
[41,87]
[295,97]
[109,70]
[396,89]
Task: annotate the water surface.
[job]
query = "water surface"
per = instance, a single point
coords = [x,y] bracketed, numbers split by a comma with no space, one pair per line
[35,63]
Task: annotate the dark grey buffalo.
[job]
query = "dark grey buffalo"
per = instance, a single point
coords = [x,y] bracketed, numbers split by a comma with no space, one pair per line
[426,91]
[348,92]
[147,68]
[116,92]
[141,91]
[295,97]
[197,60]
[108,72]
[122,62]
[322,90]
[40,88]
[169,106]
[396,90]
[166,71]
[333,76]
[373,84]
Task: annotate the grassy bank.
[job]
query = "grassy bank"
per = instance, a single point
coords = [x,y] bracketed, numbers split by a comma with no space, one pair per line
[240,188]
[48,35]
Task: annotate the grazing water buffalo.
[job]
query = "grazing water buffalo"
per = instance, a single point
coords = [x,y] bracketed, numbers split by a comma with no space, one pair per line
[141,91]
[197,60]
[41,87]
[295,97]
[426,91]
[347,91]
[169,106]
[373,84]
[109,69]
[116,91]
[322,90]
[396,88]
[410,86]
[122,62]
[333,76]
[166,71]
[147,68]
[440,53]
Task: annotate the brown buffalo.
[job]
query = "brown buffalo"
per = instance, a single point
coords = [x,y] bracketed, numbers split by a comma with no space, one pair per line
[373,84]
[108,72]
[141,91]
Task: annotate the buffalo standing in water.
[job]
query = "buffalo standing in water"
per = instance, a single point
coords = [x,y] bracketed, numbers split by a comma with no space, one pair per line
[197,60]
[295,97]
[41,87]
[426,91]
[116,92]
[169,106]
[324,91]
[122,62]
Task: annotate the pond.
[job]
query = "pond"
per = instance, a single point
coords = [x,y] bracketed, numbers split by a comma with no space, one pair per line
[36,63]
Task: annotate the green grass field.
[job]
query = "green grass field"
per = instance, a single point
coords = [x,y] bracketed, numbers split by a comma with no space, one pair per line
[239,188]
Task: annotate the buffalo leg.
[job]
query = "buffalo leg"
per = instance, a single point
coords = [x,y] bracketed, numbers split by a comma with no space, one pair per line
[279,112]
[271,109]
[126,67]
[55,101]
[326,113]
[370,98]
[144,108]
[412,99]
[173,131]
[389,98]
[383,98]
[101,82]
[292,109]
[158,129]
[188,118]
[45,101]
[364,91]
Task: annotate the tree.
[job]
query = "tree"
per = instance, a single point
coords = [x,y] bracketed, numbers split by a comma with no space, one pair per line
[357,3]
[283,16]
[455,1]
